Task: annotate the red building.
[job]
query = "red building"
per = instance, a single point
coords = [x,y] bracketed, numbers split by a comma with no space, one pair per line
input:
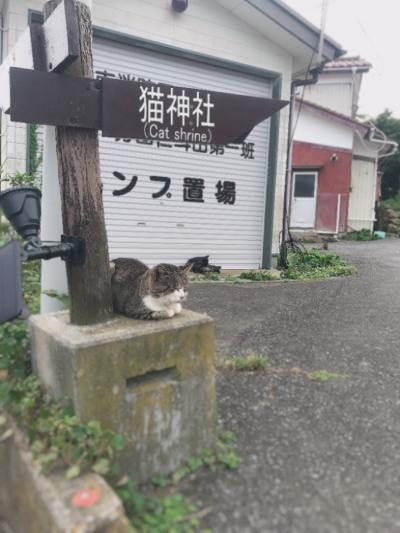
[335,181]
[322,169]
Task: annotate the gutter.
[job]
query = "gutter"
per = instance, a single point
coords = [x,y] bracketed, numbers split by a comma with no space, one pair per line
[296,25]
[384,142]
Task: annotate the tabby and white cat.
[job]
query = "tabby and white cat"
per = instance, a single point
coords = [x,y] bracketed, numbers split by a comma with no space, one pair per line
[148,293]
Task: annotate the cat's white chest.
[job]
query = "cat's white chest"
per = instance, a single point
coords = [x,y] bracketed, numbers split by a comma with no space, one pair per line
[165,305]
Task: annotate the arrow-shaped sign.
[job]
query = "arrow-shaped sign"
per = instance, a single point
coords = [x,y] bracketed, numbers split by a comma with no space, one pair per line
[130,109]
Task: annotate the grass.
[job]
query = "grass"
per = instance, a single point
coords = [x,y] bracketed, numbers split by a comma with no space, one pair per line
[251,362]
[258,275]
[322,375]
[313,264]
[361,235]
[394,202]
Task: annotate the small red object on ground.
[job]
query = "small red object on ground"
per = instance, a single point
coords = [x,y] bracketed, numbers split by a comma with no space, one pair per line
[85,498]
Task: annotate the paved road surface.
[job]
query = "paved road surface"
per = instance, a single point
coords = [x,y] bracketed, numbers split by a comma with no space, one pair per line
[317,457]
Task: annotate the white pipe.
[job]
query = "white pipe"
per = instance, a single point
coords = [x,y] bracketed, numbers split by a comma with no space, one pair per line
[54,275]
[339,205]
[383,142]
[322,32]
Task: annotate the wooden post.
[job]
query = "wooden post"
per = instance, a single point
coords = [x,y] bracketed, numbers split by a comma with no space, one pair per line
[81,196]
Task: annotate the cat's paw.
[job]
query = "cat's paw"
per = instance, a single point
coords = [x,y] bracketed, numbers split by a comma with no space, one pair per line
[176,308]
[160,315]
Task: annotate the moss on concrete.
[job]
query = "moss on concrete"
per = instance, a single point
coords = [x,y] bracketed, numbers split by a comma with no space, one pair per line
[153,382]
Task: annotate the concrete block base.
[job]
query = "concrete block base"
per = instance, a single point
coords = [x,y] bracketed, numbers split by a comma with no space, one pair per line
[151,381]
[33,503]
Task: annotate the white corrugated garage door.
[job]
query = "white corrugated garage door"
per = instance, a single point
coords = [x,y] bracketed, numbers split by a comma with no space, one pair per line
[168,228]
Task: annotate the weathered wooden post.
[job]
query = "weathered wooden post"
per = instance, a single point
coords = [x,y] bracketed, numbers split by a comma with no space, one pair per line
[81,193]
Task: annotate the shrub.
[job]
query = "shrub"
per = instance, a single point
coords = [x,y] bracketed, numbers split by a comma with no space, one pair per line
[257,275]
[361,235]
[312,264]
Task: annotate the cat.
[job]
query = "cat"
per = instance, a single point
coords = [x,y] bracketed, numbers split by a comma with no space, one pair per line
[148,293]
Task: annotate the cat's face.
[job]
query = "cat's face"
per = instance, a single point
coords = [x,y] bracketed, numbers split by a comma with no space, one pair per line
[169,281]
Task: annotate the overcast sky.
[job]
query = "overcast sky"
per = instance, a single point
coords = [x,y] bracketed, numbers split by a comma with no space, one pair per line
[371,29]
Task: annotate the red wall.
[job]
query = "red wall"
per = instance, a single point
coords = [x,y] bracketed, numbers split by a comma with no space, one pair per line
[334,178]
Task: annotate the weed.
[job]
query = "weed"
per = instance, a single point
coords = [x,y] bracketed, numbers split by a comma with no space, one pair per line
[322,375]
[361,235]
[61,297]
[313,264]
[224,455]
[394,202]
[171,513]
[250,362]
[258,275]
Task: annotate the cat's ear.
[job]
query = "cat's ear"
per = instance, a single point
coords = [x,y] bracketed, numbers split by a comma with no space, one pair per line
[187,268]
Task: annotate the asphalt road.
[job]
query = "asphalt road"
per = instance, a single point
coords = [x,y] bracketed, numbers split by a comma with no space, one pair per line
[316,457]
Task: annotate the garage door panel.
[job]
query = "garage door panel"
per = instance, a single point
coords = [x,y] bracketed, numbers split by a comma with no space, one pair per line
[169,228]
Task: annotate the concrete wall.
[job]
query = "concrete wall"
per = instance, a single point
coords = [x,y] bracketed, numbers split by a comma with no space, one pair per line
[205,28]
[334,179]
[33,503]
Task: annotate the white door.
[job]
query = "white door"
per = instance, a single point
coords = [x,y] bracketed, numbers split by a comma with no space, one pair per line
[304,199]
[362,195]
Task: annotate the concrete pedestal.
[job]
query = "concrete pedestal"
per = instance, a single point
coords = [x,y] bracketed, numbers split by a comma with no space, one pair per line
[151,381]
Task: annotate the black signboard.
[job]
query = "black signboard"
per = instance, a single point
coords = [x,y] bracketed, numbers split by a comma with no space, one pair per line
[175,114]
[137,110]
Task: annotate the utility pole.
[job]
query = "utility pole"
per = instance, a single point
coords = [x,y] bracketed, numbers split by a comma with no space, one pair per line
[285,234]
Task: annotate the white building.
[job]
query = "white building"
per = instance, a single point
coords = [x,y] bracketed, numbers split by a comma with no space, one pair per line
[335,156]
[247,47]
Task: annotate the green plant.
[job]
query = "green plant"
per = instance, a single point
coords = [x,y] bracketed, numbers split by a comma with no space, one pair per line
[393,202]
[157,514]
[258,275]
[361,235]
[224,455]
[322,375]
[60,296]
[250,362]
[313,264]
[212,276]
[35,155]
[20,178]
[57,438]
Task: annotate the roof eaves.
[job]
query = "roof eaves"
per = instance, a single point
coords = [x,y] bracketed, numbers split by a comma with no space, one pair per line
[338,117]
[297,26]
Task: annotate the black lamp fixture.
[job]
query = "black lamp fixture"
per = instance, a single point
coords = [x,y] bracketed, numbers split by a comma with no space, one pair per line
[180,5]
[21,206]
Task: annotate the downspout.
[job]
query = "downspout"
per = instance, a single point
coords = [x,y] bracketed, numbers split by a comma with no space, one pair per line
[288,176]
